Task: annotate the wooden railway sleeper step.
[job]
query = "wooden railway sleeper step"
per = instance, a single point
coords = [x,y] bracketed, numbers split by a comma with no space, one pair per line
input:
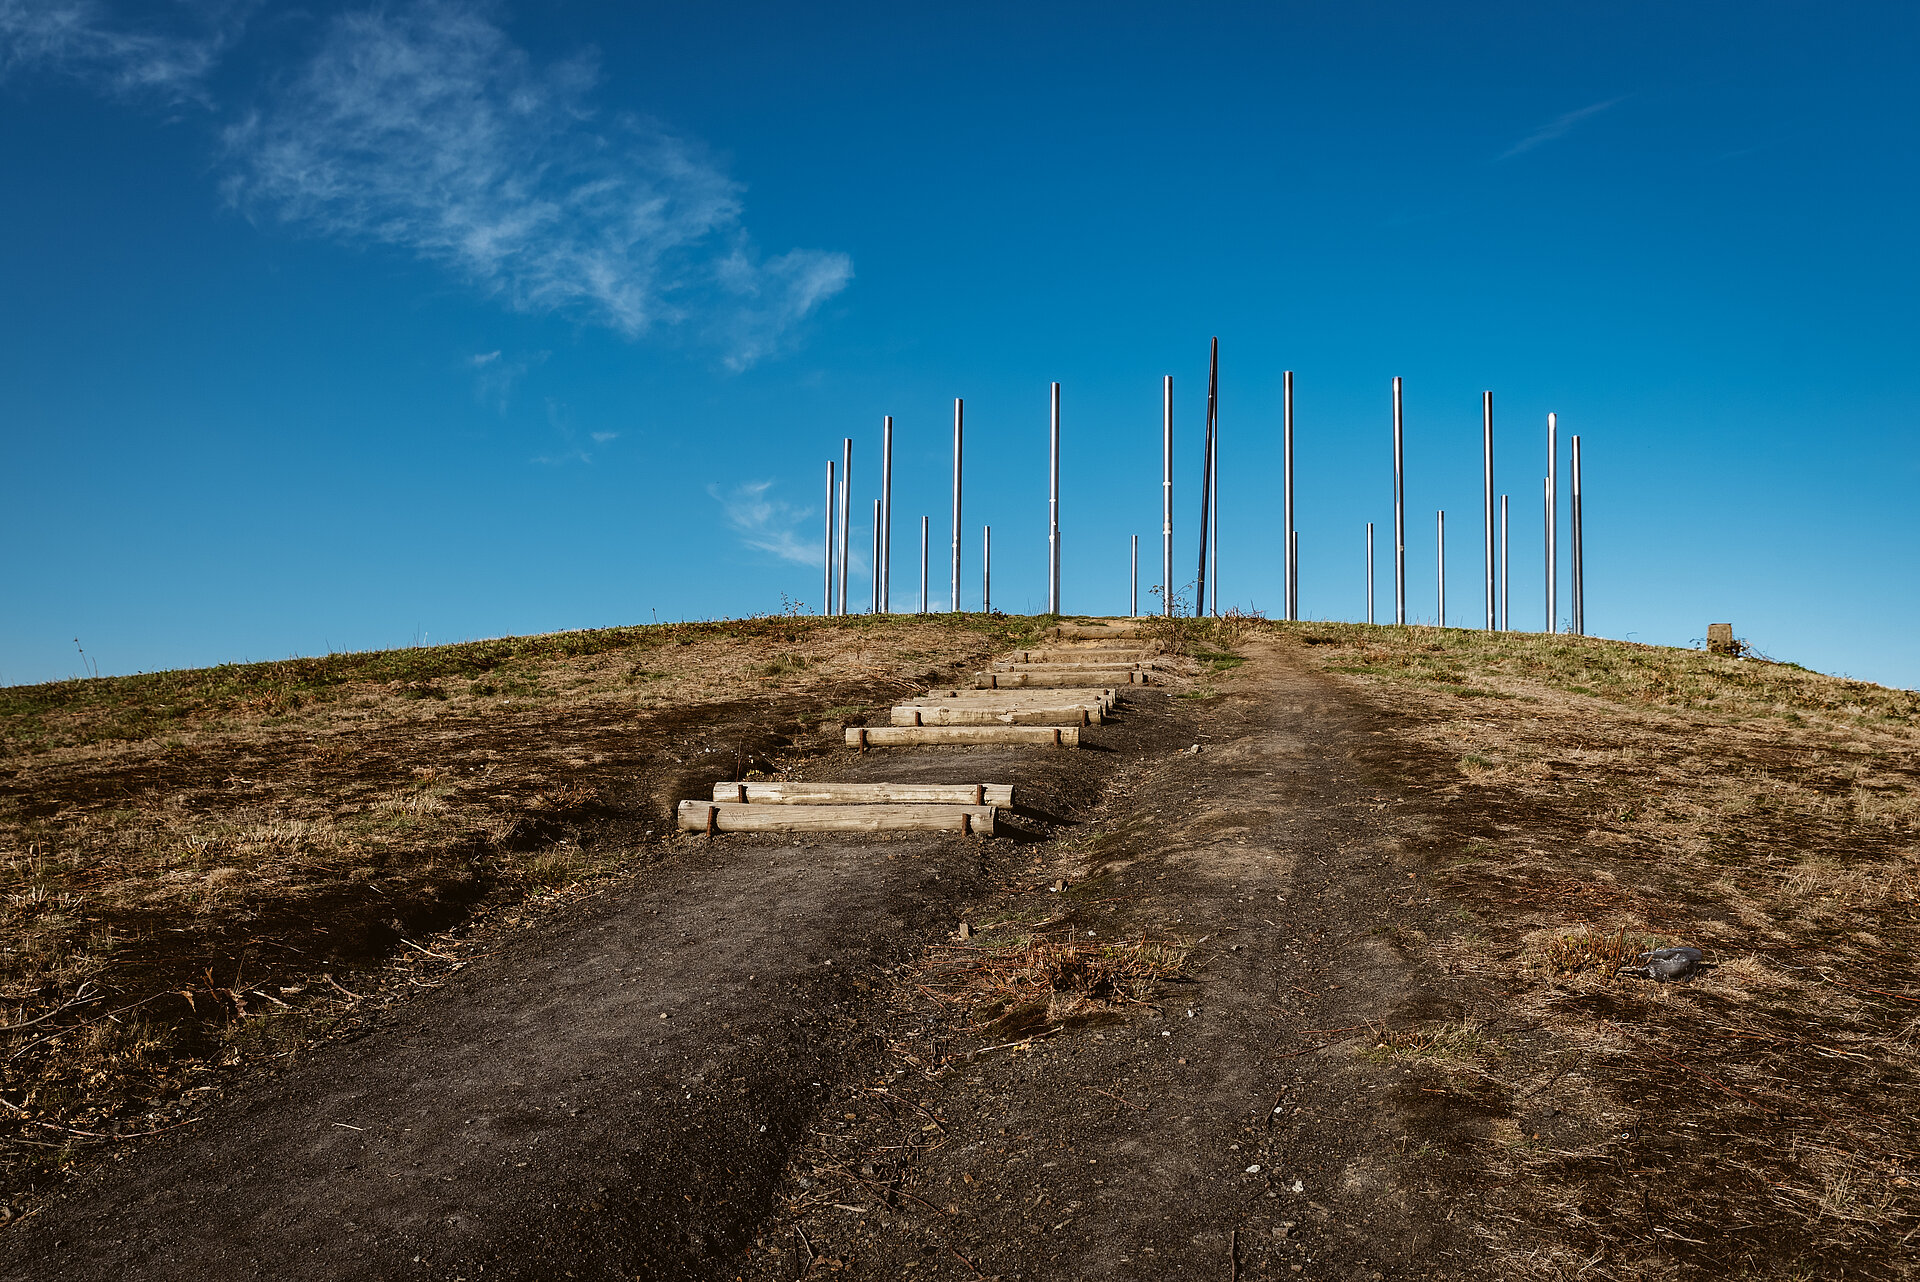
[920,714]
[712,817]
[790,792]
[864,737]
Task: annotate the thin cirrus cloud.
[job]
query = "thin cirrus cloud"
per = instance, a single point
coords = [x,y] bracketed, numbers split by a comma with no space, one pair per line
[1557,128]
[166,57]
[425,128]
[767,524]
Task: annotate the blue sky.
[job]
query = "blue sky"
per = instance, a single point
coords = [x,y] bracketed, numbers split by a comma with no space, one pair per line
[346,327]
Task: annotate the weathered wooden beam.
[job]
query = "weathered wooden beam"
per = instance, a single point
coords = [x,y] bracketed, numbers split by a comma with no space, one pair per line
[787,792]
[734,816]
[864,737]
[1093,631]
[1057,680]
[1106,665]
[1046,697]
[947,713]
[1128,654]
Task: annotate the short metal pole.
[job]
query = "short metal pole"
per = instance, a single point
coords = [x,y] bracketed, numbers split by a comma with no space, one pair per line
[1506,571]
[1290,605]
[1133,582]
[1579,566]
[1399,513]
[846,514]
[875,607]
[955,600]
[923,565]
[986,569]
[1553,523]
[1166,497]
[826,602]
[1486,440]
[1053,508]
[1440,543]
[1369,571]
[886,516]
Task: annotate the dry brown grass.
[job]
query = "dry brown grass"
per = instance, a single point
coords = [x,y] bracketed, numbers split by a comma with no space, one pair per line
[1591,799]
[1041,977]
[194,867]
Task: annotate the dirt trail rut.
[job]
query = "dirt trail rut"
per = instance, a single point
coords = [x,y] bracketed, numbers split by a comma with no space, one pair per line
[662,1084]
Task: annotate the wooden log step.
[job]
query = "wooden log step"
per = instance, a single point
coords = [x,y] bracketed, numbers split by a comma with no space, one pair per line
[786,792]
[951,714]
[1097,631]
[1130,654]
[1104,698]
[1055,680]
[864,737]
[1107,665]
[734,816]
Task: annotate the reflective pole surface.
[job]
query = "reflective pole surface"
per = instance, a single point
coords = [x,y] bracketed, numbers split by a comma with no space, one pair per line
[886,516]
[1206,488]
[874,607]
[1579,566]
[954,600]
[1053,511]
[1553,523]
[1486,440]
[826,600]
[1369,571]
[923,565]
[986,569]
[1166,497]
[1399,513]
[1290,589]
[846,514]
[1213,484]
[1546,506]
[1133,582]
[1506,575]
[1440,553]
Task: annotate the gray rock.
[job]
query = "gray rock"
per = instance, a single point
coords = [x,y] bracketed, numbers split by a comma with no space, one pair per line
[1667,965]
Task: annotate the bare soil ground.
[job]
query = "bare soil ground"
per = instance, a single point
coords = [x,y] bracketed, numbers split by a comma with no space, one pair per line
[1331,996]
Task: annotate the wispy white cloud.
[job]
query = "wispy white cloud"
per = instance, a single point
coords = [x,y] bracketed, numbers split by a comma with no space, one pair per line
[424,127]
[1557,128]
[767,524]
[166,54]
[495,374]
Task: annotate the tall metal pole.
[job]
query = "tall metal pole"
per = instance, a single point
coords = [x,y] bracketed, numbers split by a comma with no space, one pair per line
[1486,440]
[1579,566]
[1133,588]
[1290,606]
[1053,510]
[986,569]
[886,516]
[1369,571]
[1206,486]
[1506,571]
[1399,513]
[1166,497]
[955,601]
[1293,561]
[923,565]
[846,514]
[875,607]
[1546,491]
[1213,486]
[826,601]
[1553,523]
[1440,542]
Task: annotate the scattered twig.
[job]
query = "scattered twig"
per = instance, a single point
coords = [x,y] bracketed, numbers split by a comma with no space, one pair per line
[428,951]
[1110,1095]
[81,997]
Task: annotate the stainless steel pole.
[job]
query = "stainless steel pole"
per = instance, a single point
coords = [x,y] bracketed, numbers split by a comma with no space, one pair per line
[1166,497]
[986,569]
[846,514]
[1133,589]
[1206,485]
[1506,571]
[826,602]
[1290,605]
[886,516]
[1213,484]
[1369,571]
[1553,523]
[923,565]
[1440,544]
[955,601]
[1053,510]
[875,607]
[1579,563]
[1399,513]
[1486,441]
[1293,561]
[1546,491]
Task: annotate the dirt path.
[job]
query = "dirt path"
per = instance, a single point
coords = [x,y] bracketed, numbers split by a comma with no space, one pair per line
[717,1070]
